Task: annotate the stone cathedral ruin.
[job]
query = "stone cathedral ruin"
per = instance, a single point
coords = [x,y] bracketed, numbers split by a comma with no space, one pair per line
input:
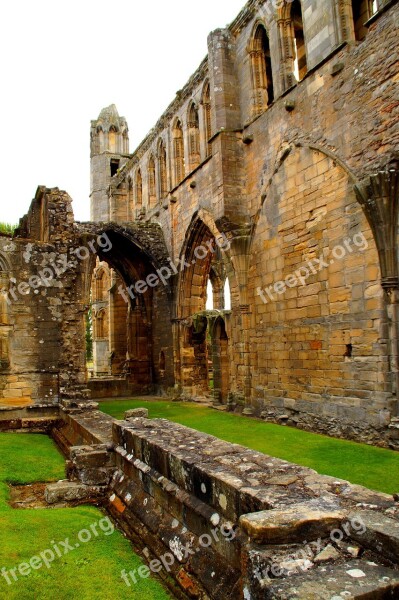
[251,242]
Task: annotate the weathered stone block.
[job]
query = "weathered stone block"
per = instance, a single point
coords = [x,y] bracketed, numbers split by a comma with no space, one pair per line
[135,413]
[379,533]
[68,491]
[307,521]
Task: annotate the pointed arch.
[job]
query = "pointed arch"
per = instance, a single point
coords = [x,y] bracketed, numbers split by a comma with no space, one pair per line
[193,280]
[193,136]
[112,138]
[102,284]
[101,324]
[292,42]
[261,66]
[178,152]
[138,189]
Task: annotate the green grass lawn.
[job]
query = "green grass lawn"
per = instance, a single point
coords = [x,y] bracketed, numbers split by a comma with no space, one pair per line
[375,468]
[89,572]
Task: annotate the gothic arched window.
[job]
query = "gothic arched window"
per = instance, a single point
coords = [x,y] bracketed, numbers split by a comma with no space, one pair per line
[262,76]
[102,324]
[112,139]
[102,286]
[139,189]
[193,136]
[178,152]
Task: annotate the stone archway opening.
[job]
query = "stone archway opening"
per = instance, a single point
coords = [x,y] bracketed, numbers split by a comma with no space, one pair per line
[131,322]
[201,300]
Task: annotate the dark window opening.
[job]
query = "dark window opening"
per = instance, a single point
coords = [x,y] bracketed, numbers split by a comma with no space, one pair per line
[114,166]
[362,10]
[349,350]
[299,41]
[262,70]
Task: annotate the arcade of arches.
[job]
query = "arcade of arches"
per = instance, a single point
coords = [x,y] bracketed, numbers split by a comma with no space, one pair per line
[246,252]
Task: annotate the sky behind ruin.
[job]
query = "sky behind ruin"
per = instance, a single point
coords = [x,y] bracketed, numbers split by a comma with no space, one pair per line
[63,62]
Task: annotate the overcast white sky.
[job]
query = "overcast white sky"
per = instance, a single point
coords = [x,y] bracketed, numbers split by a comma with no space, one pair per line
[62,62]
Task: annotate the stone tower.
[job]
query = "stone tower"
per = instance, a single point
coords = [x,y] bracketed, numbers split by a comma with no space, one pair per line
[109,151]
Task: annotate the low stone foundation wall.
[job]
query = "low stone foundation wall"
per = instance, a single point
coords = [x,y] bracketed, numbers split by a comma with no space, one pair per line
[36,418]
[217,520]
[115,388]
[385,434]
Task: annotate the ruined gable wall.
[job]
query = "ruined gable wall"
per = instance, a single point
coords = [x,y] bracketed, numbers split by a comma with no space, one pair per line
[43,293]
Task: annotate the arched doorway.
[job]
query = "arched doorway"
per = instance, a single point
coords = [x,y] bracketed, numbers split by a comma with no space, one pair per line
[204,254]
[131,316]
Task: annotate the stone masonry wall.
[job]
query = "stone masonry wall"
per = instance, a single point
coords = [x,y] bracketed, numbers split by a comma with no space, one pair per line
[279,183]
[35,299]
[216,520]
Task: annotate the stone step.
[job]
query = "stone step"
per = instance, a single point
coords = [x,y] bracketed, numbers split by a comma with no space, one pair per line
[355,580]
[379,533]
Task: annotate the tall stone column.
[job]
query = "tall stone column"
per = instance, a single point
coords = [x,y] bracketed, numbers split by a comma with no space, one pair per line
[379,198]
[239,252]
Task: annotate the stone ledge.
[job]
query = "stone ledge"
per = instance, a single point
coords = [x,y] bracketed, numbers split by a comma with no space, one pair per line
[303,522]
[69,491]
[172,485]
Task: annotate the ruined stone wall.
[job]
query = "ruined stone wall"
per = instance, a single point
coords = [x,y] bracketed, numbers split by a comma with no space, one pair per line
[321,348]
[217,520]
[278,181]
[39,292]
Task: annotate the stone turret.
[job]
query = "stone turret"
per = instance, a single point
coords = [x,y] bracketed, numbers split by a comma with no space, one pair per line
[109,151]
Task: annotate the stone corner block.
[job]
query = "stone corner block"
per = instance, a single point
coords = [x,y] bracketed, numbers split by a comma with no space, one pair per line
[293,524]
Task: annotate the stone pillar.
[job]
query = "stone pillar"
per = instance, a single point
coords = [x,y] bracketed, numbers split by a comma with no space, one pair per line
[379,198]
[177,337]
[223,81]
[239,251]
